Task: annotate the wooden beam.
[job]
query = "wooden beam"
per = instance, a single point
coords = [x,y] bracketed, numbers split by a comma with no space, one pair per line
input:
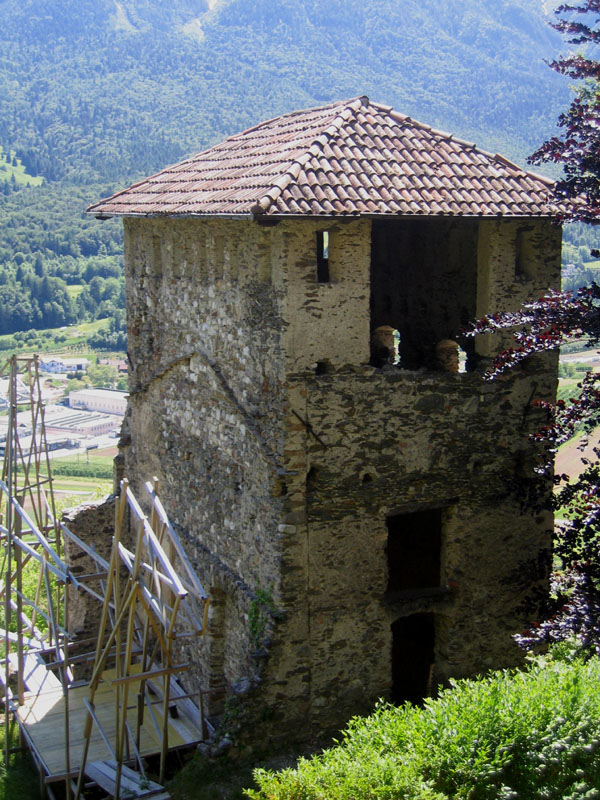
[142,676]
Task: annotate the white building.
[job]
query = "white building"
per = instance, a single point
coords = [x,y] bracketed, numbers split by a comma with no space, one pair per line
[61,365]
[106,401]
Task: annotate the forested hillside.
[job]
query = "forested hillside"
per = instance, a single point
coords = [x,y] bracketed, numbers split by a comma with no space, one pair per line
[97,93]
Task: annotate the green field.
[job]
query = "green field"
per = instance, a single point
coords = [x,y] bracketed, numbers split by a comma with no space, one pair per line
[75,290]
[567,388]
[8,170]
[91,479]
[94,468]
[75,484]
[63,340]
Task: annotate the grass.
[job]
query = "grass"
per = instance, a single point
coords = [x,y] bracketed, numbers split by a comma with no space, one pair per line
[83,472]
[567,388]
[80,485]
[20,780]
[7,170]
[56,340]
[94,457]
[93,466]
[223,779]
[531,734]
[84,476]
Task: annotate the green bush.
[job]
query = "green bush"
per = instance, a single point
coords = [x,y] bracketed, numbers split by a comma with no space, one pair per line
[533,734]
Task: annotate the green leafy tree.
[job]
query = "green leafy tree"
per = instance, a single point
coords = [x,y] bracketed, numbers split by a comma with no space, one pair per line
[551,321]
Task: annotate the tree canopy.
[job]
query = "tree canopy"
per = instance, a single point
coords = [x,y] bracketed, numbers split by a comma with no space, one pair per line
[578,149]
[549,322]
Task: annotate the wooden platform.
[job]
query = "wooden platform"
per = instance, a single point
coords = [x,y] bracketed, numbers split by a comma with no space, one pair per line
[103,773]
[42,719]
[144,599]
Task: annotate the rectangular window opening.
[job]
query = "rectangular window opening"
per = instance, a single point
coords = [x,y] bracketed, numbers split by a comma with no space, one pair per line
[414,550]
[323,257]
[523,253]
[424,286]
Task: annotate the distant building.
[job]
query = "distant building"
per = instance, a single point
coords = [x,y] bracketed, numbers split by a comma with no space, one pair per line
[61,365]
[107,401]
[84,425]
[118,363]
[67,423]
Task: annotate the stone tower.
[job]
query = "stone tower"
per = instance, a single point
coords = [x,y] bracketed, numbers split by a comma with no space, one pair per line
[351,488]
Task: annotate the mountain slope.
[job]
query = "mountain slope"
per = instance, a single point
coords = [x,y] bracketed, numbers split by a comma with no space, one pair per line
[102,89]
[98,93]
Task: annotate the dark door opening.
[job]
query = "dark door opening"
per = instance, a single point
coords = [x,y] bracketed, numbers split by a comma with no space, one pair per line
[412,658]
[413,550]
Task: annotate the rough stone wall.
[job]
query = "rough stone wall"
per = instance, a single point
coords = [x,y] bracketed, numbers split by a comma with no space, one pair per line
[280,455]
[206,396]
[324,322]
[390,442]
[517,260]
[364,443]
[93,523]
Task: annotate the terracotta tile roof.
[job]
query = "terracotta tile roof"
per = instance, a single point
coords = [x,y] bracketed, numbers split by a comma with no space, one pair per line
[346,158]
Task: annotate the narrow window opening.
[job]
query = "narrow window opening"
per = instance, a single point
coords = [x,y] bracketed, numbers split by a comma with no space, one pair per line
[414,550]
[519,255]
[219,256]
[323,257]
[413,643]
[155,265]
[523,254]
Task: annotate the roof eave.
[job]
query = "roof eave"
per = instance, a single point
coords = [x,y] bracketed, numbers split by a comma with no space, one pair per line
[554,214]
[551,214]
[165,215]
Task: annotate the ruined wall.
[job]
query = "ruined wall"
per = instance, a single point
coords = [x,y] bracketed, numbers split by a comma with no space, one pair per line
[325,323]
[280,455]
[518,259]
[363,444]
[93,523]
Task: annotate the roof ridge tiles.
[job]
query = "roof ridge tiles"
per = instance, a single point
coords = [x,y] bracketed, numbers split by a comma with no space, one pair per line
[464,142]
[297,113]
[366,147]
[380,106]
[536,175]
[507,162]
[270,198]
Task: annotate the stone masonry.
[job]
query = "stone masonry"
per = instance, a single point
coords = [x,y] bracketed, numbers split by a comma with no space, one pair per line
[360,502]
[283,476]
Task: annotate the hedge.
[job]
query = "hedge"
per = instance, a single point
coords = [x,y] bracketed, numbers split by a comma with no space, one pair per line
[531,734]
